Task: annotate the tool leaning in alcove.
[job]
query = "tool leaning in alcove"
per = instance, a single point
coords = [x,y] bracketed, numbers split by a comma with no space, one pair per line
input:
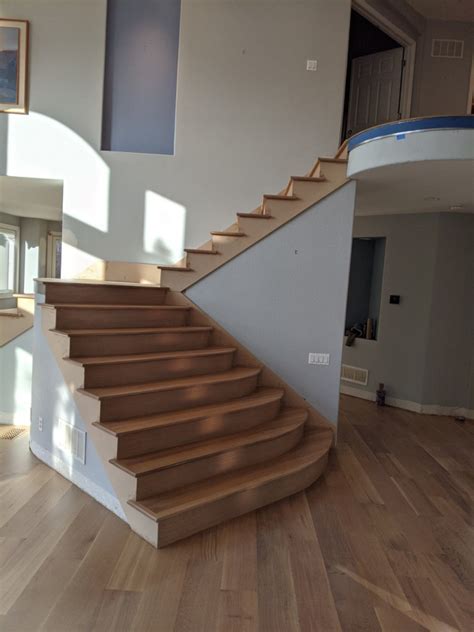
[356,331]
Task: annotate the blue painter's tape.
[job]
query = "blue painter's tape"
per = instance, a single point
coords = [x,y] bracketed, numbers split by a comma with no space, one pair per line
[400,128]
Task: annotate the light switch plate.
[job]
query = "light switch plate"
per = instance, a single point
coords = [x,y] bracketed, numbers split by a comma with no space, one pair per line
[312,64]
[318,358]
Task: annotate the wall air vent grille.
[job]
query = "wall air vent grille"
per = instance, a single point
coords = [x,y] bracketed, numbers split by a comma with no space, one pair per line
[70,440]
[447,48]
[355,375]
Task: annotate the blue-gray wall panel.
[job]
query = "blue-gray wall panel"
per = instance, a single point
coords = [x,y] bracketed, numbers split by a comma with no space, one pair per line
[141,75]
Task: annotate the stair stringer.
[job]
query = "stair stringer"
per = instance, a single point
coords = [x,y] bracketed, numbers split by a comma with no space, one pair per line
[194,267]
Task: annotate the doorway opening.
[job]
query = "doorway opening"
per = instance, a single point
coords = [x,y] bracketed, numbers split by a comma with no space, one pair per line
[378,82]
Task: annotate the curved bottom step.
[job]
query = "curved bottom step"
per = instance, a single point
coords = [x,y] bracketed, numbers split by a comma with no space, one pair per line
[186,511]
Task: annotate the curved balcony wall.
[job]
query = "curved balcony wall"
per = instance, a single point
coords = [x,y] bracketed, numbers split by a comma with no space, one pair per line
[414,165]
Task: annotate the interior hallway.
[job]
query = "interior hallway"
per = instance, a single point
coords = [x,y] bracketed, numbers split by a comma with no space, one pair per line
[383,541]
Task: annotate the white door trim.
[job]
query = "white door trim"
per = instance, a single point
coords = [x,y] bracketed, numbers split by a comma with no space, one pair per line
[404,39]
[16,230]
[51,253]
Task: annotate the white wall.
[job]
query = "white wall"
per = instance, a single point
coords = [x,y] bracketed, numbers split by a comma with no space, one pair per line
[442,85]
[285,297]
[450,339]
[248,115]
[51,401]
[424,347]
[16,364]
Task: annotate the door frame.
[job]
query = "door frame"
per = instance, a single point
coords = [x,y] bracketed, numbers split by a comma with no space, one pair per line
[405,40]
[53,236]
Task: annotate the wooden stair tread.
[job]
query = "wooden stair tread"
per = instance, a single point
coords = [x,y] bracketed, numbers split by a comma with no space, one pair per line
[139,424]
[95,283]
[288,420]
[144,357]
[76,306]
[200,251]
[107,392]
[227,233]
[255,215]
[279,196]
[341,161]
[175,268]
[309,178]
[130,330]
[314,446]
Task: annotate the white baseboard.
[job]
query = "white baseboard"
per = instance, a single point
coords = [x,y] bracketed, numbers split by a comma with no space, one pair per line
[102,496]
[415,407]
[447,411]
[357,392]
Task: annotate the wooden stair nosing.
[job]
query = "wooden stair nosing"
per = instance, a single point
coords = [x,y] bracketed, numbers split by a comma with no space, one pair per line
[314,445]
[309,178]
[93,283]
[126,331]
[341,161]
[279,196]
[255,215]
[200,251]
[154,462]
[260,397]
[175,268]
[149,357]
[116,307]
[227,233]
[109,392]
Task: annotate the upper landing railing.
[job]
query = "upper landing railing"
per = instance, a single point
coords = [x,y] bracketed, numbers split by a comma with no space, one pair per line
[398,129]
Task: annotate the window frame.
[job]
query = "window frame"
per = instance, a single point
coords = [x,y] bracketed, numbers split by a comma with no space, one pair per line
[16,274]
[53,236]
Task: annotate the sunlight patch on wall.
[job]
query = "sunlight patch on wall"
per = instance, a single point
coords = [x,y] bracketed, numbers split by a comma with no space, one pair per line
[40,147]
[163,228]
[31,267]
[23,367]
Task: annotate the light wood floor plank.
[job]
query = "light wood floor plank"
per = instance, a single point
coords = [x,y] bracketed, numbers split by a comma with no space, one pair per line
[382,542]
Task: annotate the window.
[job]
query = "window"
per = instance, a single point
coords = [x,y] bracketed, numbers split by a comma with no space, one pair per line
[53,266]
[9,258]
[365,286]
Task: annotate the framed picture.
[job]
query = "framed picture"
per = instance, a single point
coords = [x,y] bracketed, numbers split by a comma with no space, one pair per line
[13,66]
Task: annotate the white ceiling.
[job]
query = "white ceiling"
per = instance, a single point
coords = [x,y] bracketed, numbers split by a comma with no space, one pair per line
[417,187]
[31,197]
[457,10]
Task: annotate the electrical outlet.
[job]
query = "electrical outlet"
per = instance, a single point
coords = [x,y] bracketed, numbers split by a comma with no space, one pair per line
[40,424]
[318,358]
[312,64]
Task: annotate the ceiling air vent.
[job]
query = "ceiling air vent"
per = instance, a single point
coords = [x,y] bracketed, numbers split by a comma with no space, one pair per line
[354,374]
[447,48]
[70,440]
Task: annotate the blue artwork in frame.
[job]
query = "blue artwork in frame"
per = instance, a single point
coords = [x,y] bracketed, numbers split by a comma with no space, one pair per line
[13,66]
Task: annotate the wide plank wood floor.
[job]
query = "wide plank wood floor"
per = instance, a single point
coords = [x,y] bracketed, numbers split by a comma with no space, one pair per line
[384,541]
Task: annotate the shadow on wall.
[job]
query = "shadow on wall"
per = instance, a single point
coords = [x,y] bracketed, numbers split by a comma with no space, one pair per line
[38,146]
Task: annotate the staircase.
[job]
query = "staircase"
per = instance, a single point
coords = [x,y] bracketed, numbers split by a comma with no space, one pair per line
[192,429]
[302,192]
